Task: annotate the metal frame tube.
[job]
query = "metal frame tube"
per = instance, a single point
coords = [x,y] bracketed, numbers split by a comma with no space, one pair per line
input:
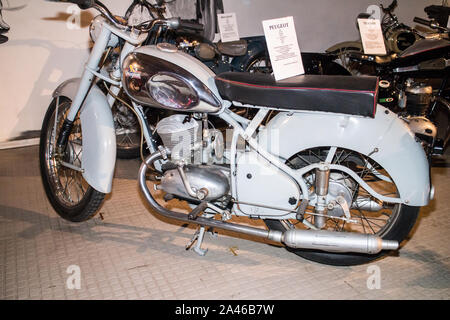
[261,233]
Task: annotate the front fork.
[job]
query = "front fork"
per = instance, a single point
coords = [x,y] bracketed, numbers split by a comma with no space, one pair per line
[87,81]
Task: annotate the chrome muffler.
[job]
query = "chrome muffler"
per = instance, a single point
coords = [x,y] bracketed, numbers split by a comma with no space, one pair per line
[337,241]
[295,238]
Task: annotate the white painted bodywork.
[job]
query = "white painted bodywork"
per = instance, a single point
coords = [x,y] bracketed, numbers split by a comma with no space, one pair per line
[259,182]
[99,137]
[387,139]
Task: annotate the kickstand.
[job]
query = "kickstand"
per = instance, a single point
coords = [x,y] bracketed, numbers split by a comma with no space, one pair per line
[198,236]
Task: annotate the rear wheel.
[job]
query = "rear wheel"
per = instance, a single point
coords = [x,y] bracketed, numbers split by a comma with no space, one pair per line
[370,216]
[69,194]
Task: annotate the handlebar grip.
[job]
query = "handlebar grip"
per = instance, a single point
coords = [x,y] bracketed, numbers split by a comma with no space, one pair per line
[83,4]
[185,24]
[422,21]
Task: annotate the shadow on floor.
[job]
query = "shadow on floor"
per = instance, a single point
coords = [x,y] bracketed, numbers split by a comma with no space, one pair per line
[437,268]
[97,231]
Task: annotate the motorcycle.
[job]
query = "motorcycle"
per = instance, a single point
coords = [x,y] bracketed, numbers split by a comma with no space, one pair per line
[414,84]
[337,178]
[398,36]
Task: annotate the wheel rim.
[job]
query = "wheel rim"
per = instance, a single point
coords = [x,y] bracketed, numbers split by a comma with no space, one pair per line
[260,65]
[67,184]
[377,222]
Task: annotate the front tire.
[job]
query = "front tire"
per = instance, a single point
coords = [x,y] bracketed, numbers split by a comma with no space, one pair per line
[68,193]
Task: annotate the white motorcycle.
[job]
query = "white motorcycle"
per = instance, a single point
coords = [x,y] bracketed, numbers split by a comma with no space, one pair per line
[335,177]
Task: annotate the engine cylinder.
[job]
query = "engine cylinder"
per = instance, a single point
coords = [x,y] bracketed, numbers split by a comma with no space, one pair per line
[418,98]
[182,136]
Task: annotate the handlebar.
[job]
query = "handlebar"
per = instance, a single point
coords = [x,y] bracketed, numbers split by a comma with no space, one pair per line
[430,23]
[390,8]
[173,23]
[185,24]
[83,4]
[422,21]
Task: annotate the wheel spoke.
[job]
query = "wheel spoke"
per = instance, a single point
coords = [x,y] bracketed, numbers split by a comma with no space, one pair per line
[363,220]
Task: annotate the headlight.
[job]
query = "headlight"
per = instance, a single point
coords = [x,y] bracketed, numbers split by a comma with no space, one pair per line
[172,91]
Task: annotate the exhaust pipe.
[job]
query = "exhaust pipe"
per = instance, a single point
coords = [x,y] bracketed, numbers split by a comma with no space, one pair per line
[296,238]
[337,241]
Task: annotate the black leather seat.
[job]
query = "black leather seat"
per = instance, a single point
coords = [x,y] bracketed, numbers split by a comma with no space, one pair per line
[339,94]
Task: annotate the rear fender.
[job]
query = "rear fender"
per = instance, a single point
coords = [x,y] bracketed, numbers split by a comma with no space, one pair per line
[386,138]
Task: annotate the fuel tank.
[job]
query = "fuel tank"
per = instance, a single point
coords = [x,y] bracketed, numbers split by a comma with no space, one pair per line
[163,77]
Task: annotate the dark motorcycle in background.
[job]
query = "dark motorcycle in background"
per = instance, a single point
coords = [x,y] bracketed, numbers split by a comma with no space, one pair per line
[249,54]
[414,84]
[413,75]
[397,35]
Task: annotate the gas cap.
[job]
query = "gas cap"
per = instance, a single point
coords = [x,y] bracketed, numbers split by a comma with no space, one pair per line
[167,47]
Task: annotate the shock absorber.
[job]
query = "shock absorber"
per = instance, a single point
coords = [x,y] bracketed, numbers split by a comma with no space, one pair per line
[321,187]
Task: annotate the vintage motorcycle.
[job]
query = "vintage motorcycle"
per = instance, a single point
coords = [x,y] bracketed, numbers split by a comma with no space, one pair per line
[414,84]
[336,178]
[397,35]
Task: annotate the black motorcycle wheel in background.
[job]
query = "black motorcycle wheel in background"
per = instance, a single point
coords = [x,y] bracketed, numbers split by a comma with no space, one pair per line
[69,194]
[128,131]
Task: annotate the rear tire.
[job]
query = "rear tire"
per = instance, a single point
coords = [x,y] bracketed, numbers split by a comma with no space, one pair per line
[53,174]
[389,221]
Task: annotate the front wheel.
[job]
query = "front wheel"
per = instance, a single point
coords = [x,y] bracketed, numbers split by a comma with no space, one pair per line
[368,215]
[69,194]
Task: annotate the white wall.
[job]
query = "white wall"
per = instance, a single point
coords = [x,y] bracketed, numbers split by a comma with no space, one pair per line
[42,51]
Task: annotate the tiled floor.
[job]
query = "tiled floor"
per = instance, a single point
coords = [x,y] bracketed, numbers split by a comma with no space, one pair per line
[133,254]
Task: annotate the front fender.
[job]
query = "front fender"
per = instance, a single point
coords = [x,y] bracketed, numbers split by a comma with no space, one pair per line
[386,138]
[99,137]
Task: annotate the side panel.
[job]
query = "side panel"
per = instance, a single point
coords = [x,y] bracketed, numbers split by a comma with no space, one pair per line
[99,138]
[386,138]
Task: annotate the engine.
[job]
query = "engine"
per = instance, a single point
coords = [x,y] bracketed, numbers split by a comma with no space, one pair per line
[416,100]
[190,140]
[195,151]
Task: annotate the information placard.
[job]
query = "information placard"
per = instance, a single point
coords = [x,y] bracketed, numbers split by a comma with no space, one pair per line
[372,36]
[228,27]
[283,47]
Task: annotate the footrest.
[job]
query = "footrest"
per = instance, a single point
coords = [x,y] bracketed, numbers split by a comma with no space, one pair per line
[197,210]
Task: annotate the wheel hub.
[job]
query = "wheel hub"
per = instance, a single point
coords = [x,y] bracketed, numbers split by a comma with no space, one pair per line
[338,186]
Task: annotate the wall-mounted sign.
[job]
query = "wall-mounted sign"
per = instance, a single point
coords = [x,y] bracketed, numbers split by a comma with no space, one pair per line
[283,47]
[228,27]
[372,36]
